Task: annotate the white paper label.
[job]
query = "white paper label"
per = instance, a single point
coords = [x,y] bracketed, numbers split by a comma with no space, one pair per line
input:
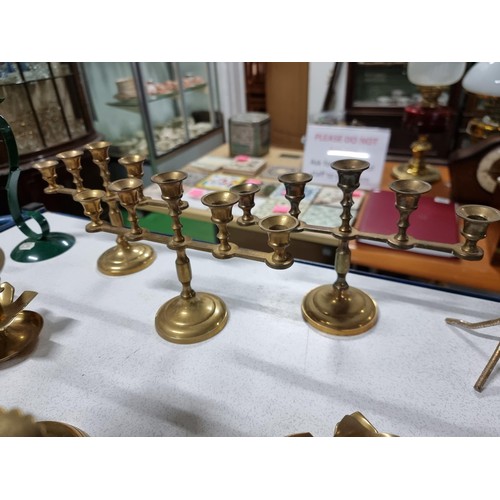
[328,143]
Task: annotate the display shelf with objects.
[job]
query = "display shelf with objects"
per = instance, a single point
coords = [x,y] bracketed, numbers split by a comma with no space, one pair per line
[173,109]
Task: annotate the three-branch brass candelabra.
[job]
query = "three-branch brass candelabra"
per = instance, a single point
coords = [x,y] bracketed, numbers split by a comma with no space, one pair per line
[336,309]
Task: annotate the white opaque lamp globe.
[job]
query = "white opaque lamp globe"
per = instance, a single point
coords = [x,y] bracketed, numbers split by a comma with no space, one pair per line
[483,79]
[435,74]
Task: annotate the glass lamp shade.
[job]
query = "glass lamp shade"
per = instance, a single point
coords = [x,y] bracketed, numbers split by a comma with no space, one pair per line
[435,74]
[483,79]
[431,77]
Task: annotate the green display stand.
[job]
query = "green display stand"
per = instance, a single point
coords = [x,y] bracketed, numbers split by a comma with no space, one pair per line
[38,246]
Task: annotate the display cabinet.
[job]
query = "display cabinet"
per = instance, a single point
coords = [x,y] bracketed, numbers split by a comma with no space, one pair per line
[157,109]
[46,107]
[376,96]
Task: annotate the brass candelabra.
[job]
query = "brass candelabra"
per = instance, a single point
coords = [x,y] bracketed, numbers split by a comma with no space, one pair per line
[335,309]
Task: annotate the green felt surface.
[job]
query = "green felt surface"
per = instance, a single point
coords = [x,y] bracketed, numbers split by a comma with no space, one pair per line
[162,223]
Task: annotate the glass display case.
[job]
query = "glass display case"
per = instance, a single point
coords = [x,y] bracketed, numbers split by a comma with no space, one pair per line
[46,107]
[158,109]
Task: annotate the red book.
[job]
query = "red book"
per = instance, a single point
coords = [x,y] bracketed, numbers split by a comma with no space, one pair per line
[434,220]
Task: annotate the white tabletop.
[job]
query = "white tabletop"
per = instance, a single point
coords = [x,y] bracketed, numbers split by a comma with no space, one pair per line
[100,365]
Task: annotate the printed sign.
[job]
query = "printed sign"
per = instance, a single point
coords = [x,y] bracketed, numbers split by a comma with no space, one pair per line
[328,143]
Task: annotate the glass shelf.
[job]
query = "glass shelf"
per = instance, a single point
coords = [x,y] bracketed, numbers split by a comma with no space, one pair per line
[133,104]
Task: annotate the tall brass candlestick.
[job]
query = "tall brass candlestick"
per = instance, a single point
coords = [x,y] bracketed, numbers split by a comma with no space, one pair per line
[339,309]
[192,316]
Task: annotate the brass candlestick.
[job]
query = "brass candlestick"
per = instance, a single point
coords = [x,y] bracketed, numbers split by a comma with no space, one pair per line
[340,309]
[335,309]
[125,257]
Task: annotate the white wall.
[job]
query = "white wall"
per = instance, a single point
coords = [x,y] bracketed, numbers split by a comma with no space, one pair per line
[231,79]
[319,77]
[232,99]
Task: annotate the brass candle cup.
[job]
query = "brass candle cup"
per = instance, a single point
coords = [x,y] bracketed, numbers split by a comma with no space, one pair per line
[476,219]
[100,156]
[295,185]
[408,192]
[170,184]
[278,229]
[99,151]
[246,193]
[129,192]
[134,164]
[221,205]
[90,199]
[72,160]
[47,169]
[349,172]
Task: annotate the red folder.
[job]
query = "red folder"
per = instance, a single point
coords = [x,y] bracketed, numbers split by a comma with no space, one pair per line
[434,220]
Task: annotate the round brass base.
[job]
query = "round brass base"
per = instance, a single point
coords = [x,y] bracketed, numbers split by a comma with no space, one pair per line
[60,429]
[187,321]
[122,260]
[354,313]
[428,174]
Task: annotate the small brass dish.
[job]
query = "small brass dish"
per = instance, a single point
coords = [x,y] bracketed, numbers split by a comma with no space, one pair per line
[20,334]
[19,328]
[60,429]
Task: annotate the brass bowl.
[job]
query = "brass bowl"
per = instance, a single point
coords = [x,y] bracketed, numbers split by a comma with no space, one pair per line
[20,334]
[60,429]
